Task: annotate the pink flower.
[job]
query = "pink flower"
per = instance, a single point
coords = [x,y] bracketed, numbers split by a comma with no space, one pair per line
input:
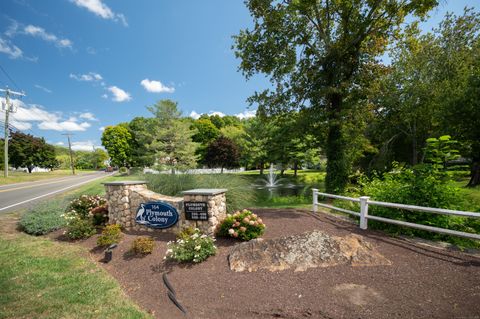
[243,229]
[231,231]
[246,219]
[260,220]
[235,234]
[251,222]
[254,215]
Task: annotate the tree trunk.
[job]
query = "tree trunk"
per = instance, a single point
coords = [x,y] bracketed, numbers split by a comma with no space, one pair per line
[261,168]
[337,166]
[295,168]
[282,171]
[474,173]
[29,167]
[221,171]
[414,144]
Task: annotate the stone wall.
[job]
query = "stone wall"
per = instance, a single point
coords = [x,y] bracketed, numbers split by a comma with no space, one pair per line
[124,198]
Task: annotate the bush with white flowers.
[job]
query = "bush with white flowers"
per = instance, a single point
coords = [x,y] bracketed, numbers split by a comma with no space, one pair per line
[191,246]
[243,225]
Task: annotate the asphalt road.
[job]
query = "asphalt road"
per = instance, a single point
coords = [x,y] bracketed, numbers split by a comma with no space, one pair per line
[24,195]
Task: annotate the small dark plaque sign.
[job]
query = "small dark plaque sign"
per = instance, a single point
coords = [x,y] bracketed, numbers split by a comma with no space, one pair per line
[156,215]
[196,211]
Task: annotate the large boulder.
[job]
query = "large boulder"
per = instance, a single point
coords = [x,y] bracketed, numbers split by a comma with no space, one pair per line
[300,252]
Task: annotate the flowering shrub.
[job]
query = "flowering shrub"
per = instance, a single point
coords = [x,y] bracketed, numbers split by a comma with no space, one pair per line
[243,225]
[143,245]
[111,234]
[87,206]
[191,246]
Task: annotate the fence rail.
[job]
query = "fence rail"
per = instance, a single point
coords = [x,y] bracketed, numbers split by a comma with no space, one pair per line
[365,202]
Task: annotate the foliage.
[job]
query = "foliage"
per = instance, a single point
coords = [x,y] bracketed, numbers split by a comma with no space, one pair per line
[117,140]
[222,152]
[43,218]
[28,151]
[111,234]
[85,159]
[317,54]
[243,225]
[143,245]
[123,170]
[239,191]
[172,137]
[78,228]
[141,128]
[191,246]
[422,185]
[440,151]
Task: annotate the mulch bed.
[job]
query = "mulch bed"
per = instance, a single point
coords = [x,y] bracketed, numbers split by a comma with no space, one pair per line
[422,282]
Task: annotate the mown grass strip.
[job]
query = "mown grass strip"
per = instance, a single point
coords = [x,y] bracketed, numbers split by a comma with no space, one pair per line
[40,278]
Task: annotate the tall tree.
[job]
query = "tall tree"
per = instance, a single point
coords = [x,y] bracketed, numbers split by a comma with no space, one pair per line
[172,137]
[117,140]
[29,151]
[315,51]
[222,152]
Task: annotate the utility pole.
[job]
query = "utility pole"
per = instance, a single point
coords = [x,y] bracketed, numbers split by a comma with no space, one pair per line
[71,154]
[8,108]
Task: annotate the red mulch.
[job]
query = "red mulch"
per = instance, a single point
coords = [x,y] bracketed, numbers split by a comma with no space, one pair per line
[422,282]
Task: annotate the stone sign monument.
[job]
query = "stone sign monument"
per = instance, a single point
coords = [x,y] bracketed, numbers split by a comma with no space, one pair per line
[135,208]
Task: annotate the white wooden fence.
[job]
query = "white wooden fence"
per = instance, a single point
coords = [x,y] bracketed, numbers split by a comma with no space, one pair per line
[364,216]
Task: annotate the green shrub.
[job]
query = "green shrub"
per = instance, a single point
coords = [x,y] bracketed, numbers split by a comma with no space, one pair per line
[240,193]
[195,247]
[83,205]
[43,219]
[111,234]
[421,185]
[123,170]
[143,245]
[78,228]
[243,225]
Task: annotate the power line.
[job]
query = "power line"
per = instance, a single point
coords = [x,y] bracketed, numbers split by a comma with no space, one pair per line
[10,78]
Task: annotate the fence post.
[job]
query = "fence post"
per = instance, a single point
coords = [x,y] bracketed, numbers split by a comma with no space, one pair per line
[364,212]
[315,199]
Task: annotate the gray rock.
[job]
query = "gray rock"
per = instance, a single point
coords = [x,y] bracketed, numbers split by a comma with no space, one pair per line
[300,252]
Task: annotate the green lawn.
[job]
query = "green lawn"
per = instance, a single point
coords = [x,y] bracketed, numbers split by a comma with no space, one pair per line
[40,278]
[18,177]
[472,195]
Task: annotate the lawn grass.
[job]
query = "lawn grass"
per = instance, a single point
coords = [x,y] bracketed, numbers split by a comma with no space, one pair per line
[40,278]
[19,177]
[471,194]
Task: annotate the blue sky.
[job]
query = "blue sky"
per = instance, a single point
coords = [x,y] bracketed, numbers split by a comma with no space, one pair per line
[86,64]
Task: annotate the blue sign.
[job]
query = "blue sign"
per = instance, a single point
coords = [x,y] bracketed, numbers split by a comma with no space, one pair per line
[156,215]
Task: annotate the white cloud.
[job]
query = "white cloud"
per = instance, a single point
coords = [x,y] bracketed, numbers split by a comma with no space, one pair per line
[89,77]
[63,126]
[243,115]
[156,86]
[60,143]
[216,113]
[105,96]
[119,95]
[10,49]
[246,114]
[43,88]
[49,37]
[101,9]
[24,115]
[84,146]
[88,116]
[19,125]
[194,115]
[101,129]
